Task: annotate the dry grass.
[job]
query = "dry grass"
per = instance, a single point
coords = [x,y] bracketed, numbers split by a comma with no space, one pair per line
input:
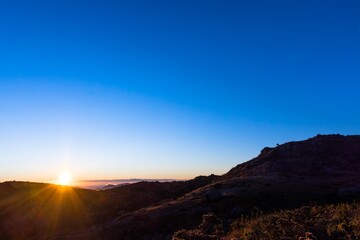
[331,222]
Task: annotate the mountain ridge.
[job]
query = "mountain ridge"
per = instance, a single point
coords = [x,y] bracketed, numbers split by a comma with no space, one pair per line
[268,182]
[322,170]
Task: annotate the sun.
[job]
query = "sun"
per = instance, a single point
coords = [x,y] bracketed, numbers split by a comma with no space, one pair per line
[64,178]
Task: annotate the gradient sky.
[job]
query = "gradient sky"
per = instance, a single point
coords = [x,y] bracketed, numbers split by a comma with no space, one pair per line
[170,89]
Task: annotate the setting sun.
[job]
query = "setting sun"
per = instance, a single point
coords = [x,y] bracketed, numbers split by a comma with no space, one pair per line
[64,178]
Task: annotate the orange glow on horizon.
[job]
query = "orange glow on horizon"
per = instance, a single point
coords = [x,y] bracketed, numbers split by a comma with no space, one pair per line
[64,179]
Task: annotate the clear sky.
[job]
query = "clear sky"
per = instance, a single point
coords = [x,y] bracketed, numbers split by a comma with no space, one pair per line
[170,89]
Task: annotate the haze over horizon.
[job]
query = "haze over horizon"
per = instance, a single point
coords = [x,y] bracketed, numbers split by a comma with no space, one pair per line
[139,89]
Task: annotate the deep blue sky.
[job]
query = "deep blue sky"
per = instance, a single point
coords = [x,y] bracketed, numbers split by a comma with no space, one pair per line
[175,89]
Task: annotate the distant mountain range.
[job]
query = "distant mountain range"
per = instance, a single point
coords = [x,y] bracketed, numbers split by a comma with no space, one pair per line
[320,170]
[111,183]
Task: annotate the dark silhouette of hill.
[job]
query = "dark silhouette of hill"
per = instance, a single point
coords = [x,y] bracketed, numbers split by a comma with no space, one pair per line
[319,157]
[42,211]
[36,209]
[320,170]
[137,195]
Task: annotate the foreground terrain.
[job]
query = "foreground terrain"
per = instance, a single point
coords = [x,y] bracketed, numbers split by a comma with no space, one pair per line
[263,198]
[333,222]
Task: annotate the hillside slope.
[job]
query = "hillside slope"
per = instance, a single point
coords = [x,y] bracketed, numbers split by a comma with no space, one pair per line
[321,156]
[323,169]
[45,211]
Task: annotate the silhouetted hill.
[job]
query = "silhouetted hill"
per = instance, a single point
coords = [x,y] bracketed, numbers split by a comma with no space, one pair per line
[42,211]
[37,209]
[322,170]
[140,194]
[320,156]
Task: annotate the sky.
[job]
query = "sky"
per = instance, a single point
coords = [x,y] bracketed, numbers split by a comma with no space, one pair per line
[170,89]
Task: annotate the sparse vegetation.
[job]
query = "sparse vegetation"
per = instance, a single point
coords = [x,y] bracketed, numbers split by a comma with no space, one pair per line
[211,228]
[329,222]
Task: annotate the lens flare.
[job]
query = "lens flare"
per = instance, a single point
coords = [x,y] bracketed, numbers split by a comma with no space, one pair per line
[64,179]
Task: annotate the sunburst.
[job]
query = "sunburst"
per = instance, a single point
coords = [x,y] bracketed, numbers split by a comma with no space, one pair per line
[64,178]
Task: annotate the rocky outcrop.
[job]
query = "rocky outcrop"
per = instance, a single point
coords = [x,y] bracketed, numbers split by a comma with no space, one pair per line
[320,156]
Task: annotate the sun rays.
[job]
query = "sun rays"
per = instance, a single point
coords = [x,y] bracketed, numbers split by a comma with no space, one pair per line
[52,209]
[64,179]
